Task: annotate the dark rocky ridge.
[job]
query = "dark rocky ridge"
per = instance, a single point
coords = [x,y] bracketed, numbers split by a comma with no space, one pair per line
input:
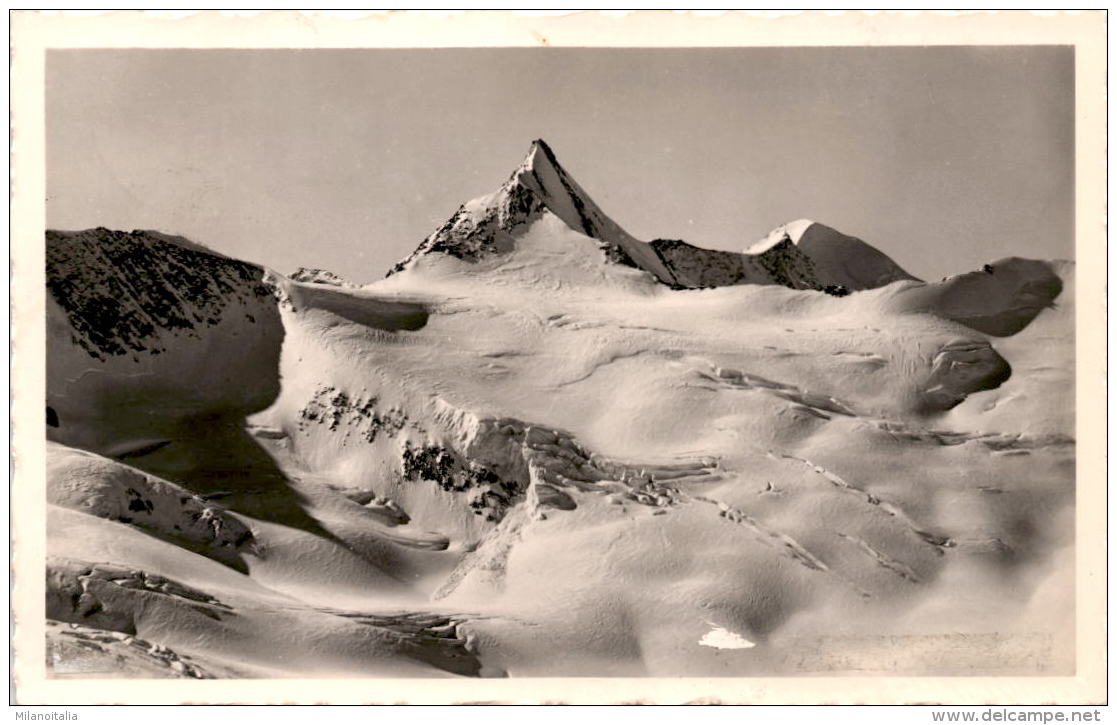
[136,317]
[613,252]
[120,290]
[697,268]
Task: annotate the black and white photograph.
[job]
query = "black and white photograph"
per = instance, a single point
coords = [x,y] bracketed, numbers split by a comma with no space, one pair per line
[616,361]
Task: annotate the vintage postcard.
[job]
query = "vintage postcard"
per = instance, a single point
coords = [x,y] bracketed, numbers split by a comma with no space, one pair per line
[584,358]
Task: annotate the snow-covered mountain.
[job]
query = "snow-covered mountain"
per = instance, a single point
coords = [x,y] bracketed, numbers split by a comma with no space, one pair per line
[491,232]
[543,447]
[484,227]
[319,276]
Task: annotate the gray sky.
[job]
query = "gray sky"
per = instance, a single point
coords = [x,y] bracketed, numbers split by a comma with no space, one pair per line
[943,158]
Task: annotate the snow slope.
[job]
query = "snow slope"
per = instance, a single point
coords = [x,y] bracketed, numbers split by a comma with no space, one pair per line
[541,447]
[841,259]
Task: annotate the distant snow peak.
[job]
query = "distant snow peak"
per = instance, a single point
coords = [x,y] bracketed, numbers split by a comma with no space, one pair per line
[540,160]
[792,231]
[319,276]
[801,254]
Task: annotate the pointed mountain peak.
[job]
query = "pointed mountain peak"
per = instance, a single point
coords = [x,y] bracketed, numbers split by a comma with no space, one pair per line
[548,181]
[539,164]
[540,158]
[489,224]
[792,231]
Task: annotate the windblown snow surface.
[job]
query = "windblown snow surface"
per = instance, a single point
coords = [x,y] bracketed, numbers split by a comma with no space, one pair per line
[541,447]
